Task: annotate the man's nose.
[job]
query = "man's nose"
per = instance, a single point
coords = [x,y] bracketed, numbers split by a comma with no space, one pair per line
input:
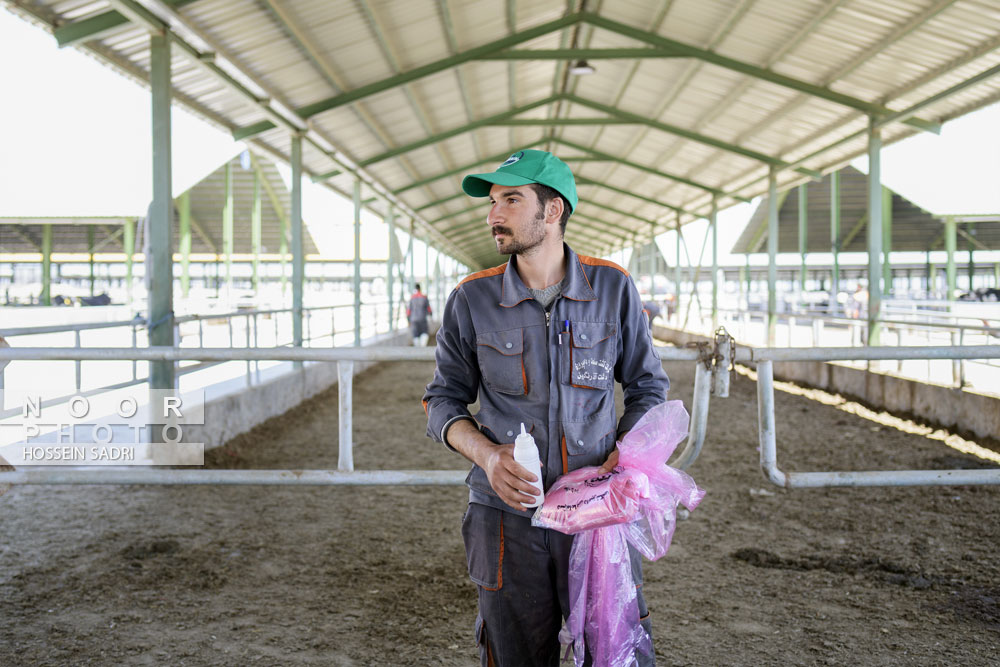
[493,217]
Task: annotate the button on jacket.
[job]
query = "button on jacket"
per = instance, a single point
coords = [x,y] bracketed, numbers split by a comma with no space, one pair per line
[555,371]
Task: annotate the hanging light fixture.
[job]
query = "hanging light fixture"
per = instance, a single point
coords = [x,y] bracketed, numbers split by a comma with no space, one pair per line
[581,67]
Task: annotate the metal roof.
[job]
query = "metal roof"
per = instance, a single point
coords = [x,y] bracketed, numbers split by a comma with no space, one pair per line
[69,234]
[912,228]
[208,201]
[691,99]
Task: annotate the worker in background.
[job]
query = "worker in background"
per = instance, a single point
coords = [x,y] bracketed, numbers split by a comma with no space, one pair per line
[417,312]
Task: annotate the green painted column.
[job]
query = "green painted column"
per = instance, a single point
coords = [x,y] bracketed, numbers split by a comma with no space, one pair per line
[772,256]
[950,243]
[677,269]
[391,222]
[803,234]
[128,240]
[972,261]
[996,274]
[298,258]
[184,240]
[886,240]
[930,275]
[159,266]
[412,257]
[874,234]
[835,240]
[46,295]
[357,262]
[713,221]
[283,252]
[256,223]
[90,253]
[227,228]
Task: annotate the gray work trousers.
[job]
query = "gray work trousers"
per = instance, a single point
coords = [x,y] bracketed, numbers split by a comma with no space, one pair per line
[522,576]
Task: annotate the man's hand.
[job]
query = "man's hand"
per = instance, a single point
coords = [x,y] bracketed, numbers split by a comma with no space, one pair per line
[507,477]
[610,464]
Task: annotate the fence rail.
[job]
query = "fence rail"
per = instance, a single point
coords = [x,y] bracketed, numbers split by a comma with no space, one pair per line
[711,373]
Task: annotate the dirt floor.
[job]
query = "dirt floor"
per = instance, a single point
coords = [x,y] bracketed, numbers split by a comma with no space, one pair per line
[376,576]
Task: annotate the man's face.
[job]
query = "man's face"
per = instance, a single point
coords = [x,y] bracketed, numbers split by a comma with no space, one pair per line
[516,219]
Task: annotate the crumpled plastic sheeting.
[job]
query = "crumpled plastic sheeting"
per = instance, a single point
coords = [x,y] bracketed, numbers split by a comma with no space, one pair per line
[634,504]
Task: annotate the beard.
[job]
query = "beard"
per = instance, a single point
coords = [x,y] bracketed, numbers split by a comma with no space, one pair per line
[530,238]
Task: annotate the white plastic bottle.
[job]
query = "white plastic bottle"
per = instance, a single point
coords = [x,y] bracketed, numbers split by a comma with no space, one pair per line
[526,453]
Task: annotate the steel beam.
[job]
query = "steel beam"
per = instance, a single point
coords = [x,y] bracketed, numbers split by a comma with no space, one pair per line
[886,240]
[128,242]
[46,295]
[874,234]
[803,234]
[763,74]
[256,224]
[184,240]
[772,255]
[433,139]
[419,72]
[689,135]
[357,263]
[227,227]
[159,265]
[298,256]
[835,241]
[391,223]
[950,245]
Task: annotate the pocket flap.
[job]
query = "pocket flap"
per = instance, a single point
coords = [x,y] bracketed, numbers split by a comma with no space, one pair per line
[503,428]
[586,437]
[508,342]
[589,334]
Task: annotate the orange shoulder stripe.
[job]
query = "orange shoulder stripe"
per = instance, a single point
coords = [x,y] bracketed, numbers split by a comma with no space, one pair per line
[594,261]
[486,273]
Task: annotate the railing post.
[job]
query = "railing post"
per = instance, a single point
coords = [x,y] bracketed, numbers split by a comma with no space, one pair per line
[345,381]
[78,363]
[249,365]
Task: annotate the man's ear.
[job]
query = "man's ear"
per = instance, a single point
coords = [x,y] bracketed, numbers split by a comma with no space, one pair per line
[554,210]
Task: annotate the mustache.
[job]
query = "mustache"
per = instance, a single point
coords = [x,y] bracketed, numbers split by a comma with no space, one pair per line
[500,230]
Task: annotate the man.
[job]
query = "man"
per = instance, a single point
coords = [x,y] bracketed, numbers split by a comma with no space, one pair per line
[417,312]
[541,341]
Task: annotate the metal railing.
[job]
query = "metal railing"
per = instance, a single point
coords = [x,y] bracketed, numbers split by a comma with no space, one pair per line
[250,332]
[345,359]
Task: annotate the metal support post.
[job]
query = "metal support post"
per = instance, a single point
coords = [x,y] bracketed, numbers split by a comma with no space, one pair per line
[874,234]
[677,270]
[184,240]
[128,241]
[159,265]
[256,222]
[345,380]
[887,287]
[391,222]
[972,264]
[835,240]
[772,255]
[227,229]
[713,221]
[803,236]
[298,264]
[357,262]
[950,242]
[46,295]
[90,255]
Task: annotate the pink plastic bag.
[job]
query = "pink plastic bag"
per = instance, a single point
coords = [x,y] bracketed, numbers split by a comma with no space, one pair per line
[634,504]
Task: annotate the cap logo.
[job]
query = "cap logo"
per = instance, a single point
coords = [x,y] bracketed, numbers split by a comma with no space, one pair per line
[512,159]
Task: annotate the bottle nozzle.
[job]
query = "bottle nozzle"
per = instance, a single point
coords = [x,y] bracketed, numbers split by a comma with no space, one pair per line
[523,432]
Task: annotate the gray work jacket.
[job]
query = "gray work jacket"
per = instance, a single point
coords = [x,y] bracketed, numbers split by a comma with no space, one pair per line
[554,371]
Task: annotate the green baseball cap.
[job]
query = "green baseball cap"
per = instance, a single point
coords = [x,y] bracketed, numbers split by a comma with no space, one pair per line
[522,168]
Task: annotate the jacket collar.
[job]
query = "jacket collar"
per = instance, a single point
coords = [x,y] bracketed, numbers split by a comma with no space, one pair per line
[576,285]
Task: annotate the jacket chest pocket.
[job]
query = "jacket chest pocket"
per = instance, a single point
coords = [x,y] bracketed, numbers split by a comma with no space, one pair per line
[589,359]
[501,361]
